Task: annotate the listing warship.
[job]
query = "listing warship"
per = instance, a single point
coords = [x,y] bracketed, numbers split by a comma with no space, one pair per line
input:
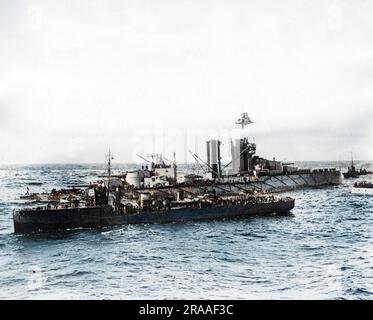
[159,193]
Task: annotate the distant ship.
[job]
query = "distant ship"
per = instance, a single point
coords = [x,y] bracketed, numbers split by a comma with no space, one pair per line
[363,188]
[352,172]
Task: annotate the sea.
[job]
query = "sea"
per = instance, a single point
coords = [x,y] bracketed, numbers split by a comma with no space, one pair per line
[322,250]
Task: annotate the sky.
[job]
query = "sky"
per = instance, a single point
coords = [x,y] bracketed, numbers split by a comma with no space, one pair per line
[79,77]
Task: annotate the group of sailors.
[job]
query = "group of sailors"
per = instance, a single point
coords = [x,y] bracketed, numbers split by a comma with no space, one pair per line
[100,198]
[363,184]
[247,200]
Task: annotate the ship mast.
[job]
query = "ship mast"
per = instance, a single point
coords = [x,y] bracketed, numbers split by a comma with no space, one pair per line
[109,157]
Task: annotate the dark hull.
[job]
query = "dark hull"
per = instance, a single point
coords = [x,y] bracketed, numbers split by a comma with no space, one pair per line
[271,183]
[349,175]
[35,221]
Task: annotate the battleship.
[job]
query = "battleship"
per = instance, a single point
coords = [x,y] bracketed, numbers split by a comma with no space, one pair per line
[245,172]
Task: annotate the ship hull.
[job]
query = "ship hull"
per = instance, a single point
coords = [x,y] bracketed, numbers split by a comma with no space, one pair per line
[298,180]
[270,183]
[37,221]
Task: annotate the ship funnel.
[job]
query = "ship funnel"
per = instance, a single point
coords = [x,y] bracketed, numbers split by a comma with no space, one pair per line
[213,158]
[242,155]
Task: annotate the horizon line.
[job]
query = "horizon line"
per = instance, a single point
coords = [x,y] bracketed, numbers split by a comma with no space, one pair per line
[141,163]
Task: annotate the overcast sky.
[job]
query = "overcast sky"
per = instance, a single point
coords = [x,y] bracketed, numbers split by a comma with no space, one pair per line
[142,76]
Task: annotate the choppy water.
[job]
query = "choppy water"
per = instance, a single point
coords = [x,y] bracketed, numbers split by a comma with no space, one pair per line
[324,250]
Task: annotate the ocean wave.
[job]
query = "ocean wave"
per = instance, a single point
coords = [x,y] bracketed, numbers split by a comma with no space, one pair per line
[322,241]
